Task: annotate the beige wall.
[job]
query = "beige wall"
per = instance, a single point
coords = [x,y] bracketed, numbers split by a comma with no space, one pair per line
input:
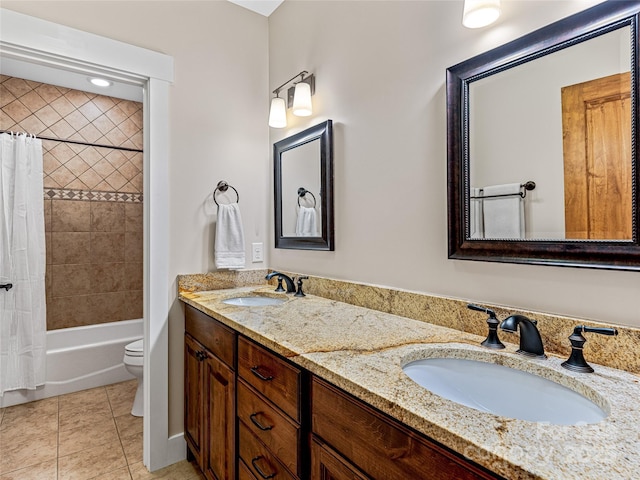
[219,106]
[380,69]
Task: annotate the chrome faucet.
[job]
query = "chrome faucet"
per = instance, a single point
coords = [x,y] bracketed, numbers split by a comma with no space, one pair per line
[530,340]
[291,288]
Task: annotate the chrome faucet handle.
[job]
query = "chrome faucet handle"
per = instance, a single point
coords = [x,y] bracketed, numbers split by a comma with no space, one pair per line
[576,361]
[492,340]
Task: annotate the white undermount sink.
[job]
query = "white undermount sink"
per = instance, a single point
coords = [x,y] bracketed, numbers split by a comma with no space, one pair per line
[503,391]
[253,301]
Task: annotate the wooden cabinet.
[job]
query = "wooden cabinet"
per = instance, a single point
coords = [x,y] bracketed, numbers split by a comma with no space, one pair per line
[253,415]
[269,413]
[377,445]
[210,395]
[326,464]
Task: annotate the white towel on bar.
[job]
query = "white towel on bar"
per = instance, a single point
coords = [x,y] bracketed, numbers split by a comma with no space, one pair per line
[307,224]
[476,229]
[229,244]
[503,216]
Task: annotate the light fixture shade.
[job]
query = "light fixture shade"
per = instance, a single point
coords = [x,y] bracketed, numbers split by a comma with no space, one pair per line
[480,13]
[278,113]
[302,100]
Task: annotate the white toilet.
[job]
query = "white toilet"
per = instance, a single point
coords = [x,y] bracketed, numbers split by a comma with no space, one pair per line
[133,361]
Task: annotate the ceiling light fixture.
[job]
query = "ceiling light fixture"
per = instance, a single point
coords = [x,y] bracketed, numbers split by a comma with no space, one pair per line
[480,13]
[298,97]
[100,82]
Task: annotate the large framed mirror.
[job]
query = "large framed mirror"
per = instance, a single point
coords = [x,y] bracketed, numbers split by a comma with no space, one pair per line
[542,155]
[303,189]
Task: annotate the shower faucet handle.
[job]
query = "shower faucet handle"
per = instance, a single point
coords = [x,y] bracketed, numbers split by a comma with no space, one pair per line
[7,286]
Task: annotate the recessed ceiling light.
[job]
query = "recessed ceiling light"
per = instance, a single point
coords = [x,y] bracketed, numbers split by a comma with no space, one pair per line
[100,82]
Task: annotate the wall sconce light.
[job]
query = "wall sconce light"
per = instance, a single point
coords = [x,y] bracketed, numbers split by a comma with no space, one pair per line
[298,97]
[480,13]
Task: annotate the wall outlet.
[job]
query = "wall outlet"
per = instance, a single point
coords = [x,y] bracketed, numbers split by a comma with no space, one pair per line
[257,252]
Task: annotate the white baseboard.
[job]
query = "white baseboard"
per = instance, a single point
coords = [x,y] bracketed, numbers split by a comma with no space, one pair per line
[177,449]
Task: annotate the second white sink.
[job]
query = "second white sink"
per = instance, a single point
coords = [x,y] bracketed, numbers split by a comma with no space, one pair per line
[503,391]
[253,301]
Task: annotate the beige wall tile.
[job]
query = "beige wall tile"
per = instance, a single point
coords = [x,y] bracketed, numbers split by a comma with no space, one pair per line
[108,277]
[132,308]
[133,217]
[107,217]
[107,247]
[70,216]
[70,247]
[133,247]
[107,307]
[73,311]
[69,280]
[133,274]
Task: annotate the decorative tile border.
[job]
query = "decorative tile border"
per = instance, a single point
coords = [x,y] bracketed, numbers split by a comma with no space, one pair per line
[69,194]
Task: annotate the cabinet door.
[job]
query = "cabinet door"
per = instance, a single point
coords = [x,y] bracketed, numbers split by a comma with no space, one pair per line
[193,401]
[328,465]
[220,414]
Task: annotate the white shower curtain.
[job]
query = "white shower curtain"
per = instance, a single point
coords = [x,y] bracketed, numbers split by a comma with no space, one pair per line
[23,325]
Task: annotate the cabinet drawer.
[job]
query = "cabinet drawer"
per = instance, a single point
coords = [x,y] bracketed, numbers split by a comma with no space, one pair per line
[244,473]
[273,377]
[260,462]
[216,337]
[379,446]
[274,429]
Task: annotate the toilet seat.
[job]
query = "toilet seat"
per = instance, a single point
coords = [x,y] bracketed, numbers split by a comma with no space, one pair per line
[134,349]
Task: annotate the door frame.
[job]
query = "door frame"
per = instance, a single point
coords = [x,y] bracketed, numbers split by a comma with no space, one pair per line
[38,41]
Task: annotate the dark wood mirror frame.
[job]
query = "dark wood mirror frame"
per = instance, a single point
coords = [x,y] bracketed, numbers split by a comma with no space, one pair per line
[617,255]
[324,133]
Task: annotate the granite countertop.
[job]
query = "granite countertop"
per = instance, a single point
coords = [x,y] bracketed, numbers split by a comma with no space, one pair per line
[362,351]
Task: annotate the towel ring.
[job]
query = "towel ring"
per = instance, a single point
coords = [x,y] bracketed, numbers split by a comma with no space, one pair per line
[302,192]
[223,187]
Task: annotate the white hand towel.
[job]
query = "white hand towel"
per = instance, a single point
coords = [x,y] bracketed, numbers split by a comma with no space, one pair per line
[307,224]
[229,245]
[476,229]
[503,216]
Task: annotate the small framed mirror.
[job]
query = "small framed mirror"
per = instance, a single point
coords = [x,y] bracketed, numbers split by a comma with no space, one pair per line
[303,188]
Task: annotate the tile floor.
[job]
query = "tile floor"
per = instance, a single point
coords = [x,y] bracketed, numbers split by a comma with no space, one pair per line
[80,436]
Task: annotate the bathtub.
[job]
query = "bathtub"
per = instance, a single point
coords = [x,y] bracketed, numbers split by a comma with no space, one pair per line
[82,357]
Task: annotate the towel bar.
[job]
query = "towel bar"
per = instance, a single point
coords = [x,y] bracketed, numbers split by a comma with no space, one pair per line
[527,186]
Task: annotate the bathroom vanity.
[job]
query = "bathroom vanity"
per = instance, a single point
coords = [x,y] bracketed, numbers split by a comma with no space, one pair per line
[314,388]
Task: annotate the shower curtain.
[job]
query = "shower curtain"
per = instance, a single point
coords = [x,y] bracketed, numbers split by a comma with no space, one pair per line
[23,325]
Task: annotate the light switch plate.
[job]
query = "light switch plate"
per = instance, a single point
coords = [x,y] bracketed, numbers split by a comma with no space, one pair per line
[257,254]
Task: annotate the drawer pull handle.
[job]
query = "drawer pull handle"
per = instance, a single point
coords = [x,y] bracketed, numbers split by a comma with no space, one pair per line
[252,417]
[259,470]
[256,371]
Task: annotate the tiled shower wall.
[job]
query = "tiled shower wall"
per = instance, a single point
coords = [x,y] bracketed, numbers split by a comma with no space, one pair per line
[92,198]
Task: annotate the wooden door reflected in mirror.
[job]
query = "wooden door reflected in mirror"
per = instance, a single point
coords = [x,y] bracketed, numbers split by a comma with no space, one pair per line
[596,127]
